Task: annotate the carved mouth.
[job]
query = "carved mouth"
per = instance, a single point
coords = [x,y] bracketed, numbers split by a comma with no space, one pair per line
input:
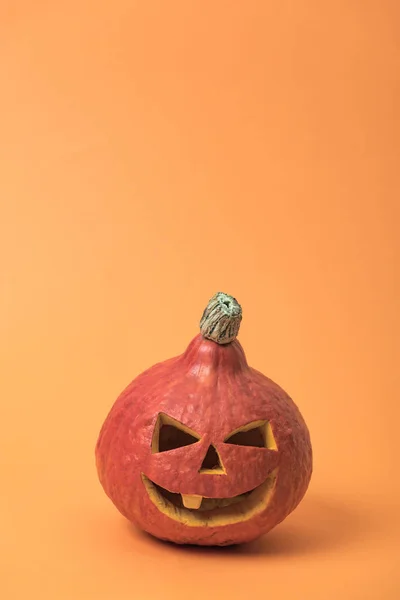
[194,510]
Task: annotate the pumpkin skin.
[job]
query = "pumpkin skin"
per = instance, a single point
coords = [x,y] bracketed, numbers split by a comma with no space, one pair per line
[211,394]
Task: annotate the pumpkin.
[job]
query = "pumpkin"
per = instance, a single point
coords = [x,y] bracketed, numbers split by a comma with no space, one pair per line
[202,448]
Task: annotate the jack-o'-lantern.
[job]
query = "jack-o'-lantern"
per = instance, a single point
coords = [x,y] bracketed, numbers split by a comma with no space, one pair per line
[202,448]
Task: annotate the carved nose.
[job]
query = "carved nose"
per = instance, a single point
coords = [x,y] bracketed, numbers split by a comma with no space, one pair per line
[212,464]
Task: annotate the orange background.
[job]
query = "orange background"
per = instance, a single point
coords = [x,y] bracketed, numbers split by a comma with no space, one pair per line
[151,154]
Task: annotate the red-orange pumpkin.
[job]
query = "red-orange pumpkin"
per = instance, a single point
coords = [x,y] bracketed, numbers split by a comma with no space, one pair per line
[203,449]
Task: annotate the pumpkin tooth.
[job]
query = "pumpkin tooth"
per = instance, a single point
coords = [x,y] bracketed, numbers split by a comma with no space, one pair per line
[191,500]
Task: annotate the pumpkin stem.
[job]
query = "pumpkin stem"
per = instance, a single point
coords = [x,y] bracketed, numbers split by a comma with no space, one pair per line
[221,319]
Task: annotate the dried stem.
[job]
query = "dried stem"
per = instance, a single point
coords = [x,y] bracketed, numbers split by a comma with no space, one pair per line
[221,319]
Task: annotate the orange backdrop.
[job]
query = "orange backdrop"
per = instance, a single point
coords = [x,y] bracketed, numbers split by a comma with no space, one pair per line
[152,153]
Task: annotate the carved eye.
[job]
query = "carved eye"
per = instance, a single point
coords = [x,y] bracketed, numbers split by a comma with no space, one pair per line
[170,434]
[258,434]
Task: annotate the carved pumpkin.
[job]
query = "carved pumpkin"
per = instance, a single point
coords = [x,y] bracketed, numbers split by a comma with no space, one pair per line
[203,449]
